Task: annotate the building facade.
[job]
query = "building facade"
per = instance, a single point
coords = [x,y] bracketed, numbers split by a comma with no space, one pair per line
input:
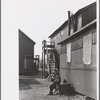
[26,54]
[75,41]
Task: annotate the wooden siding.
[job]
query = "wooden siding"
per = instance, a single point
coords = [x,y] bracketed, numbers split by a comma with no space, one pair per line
[77,48]
[26,48]
[84,82]
[65,74]
[63,61]
[65,33]
[77,43]
[77,56]
[77,73]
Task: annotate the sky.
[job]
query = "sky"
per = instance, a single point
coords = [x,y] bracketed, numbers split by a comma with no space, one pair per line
[40,18]
[37,19]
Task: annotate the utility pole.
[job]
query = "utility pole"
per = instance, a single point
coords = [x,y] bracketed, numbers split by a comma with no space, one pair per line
[43,58]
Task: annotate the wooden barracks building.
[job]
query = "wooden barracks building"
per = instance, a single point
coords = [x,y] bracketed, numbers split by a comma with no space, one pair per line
[26,54]
[75,42]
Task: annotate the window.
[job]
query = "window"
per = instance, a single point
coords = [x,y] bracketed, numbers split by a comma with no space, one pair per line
[54,38]
[62,32]
[65,31]
[58,35]
[68,52]
[87,46]
[63,49]
[71,30]
[94,37]
[79,22]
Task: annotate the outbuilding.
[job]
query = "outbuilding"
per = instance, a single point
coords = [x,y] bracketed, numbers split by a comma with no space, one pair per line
[26,54]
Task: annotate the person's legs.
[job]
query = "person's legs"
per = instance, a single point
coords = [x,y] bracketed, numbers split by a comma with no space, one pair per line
[57,88]
[51,88]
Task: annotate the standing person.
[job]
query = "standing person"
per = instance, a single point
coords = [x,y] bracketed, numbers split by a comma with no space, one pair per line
[57,80]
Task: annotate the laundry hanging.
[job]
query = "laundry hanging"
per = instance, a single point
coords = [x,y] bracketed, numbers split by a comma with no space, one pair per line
[87,46]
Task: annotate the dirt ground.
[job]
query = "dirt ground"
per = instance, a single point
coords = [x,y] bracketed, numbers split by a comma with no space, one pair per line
[36,88]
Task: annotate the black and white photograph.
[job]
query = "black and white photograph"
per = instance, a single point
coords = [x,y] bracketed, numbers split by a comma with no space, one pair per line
[49,50]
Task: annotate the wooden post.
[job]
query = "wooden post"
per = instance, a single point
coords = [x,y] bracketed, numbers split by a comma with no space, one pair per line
[42,64]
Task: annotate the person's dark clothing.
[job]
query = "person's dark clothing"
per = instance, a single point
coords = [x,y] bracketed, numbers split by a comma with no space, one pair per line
[56,82]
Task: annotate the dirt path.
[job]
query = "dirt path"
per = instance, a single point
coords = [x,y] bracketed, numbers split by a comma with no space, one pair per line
[36,88]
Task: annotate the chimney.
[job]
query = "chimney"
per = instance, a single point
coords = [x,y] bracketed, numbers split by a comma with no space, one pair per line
[68,23]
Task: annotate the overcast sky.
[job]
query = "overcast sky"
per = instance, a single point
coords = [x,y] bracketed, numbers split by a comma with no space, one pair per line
[37,19]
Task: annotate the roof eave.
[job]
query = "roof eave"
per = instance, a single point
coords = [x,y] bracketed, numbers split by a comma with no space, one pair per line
[80,10]
[83,28]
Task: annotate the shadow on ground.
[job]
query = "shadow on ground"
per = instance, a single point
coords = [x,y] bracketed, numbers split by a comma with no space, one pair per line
[26,80]
[25,84]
